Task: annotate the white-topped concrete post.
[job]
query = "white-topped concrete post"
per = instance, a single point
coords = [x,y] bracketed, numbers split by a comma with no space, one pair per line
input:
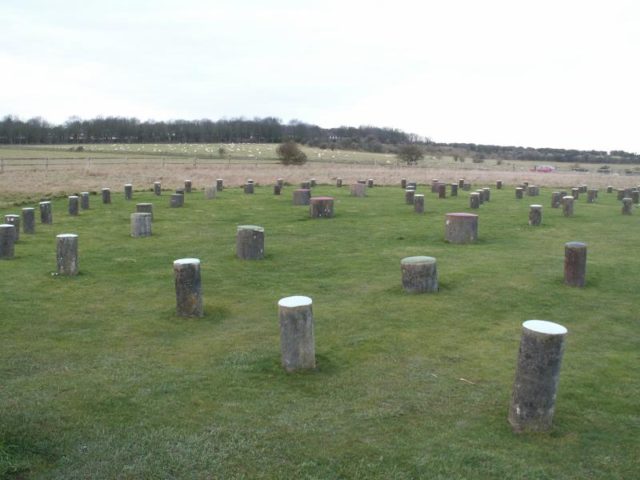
[67,254]
[140,225]
[297,344]
[14,220]
[84,200]
[537,374]
[145,208]
[46,212]
[157,188]
[106,195]
[418,203]
[29,220]
[7,240]
[186,273]
[250,242]
[535,215]
[74,205]
[128,191]
[419,274]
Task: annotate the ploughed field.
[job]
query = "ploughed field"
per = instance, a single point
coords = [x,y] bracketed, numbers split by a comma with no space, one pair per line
[101,379]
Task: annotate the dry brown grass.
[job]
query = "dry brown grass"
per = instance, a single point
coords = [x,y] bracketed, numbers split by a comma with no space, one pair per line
[25,184]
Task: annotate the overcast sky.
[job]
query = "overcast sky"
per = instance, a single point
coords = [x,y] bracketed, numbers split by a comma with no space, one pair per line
[541,73]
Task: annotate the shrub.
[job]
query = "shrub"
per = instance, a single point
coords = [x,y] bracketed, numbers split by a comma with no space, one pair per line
[290,154]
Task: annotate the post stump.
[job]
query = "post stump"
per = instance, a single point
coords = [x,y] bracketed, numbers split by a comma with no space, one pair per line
[128,191]
[454,189]
[419,274]
[84,200]
[12,219]
[409,196]
[219,184]
[248,188]
[519,192]
[358,190]
[567,206]
[277,188]
[177,200]
[474,200]
[28,220]
[74,205]
[418,203]
[188,285]
[535,215]
[461,228]
[442,190]
[157,188]
[537,374]
[210,192]
[106,195]
[46,212]
[498,184]
[403,183]
[487,194]
[250,242]
[67,254]
[297,344]
[145,208]
[321,207]
[555,200]
[7,240]
[575,263]
[188,186]
[592,194]
[301,196]
[140,225]
[627,206]
[339,182]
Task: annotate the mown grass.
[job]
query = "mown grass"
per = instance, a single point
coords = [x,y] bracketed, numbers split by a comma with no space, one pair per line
[100,379]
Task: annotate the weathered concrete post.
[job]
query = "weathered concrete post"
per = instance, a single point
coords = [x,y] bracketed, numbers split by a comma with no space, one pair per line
[46,213]
[532,190]
[474,200]
[466,187]
[277,189]
[305,185]
[210,192]
[74,205]
[592,194]
[419,274]
[339,182]
[84,200]
[418,203]
[187,186]
[403,183]
[250,242]
[280,183]
[28,220]
[128,191]
[454,189]
[461,183]
[106,195]
[358,190]
[321,207]
[567,206]
[312,182]
[370,182]
[555,200]
[409,196]
[537,375]
[519,192]
[442,190]
[575,192]
[301,196]
[609,189]
[140,225]
[575,263]
[620,193]
[157,188]
[177,200]
[498,184]
[67,253]
[219,184]
[248,188]
[487,194]
[145,208]
[7,240]
[14,220]
[412,186]
[535,215]
[461,228]
[635,196]
[480,196]
[627,206]
[434,185]
[186,272]
[297,343]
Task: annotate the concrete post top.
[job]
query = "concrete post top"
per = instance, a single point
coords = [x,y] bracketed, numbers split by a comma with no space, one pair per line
[321,198]
[417,260]
[545,327]
[187,261]
[255,228]
[462,215]
[73,196]
[45,203]
[535,206]
[28,209]
[105,188]
[419,195]
[7,225]
[11,215]
[67,235]
[575,245]
[295,301]
[144,204]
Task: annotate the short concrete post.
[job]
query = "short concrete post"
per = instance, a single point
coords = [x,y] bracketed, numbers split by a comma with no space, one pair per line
[567,206]
[434,185]
[46,213]
[498,184]
[555,200]
[186,272]
[358,190]
[140,225]
[106,195]
[575,263]
[301,196]
[442,190]
[280,183]
[409,196]
[14,220]
[277,189]
[591,195]
[210,192]
[480,196]
[461,183]
[219,184]
[609,189]
[635,196]
[474,200]
[67,254]
[84,200]
[29,220]
[370,182]
[535,215]
[418,203]
[419,274]
[575,192]
[454,189]
[339,182]
[531,190]
[128,191]
[620,193]
[157,188]
[519,192]
[248,188]
[187,186]
[305,185]
[177,200]
[74,205]
[412,186]
[312,182]
[145,208]
[537,375]
[297,343]
[487,194]
[403,183]
[250,242]
[461,228]
[466,187]
[321,207]
[7,240]
[627,206]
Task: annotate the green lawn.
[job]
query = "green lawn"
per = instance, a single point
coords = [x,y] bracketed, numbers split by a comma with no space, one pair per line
[100,379]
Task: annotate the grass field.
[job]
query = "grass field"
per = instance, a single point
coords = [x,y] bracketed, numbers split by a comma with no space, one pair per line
[101,380]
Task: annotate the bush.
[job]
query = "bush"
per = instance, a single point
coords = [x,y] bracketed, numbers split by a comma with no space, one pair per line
[410,153]
[290,154]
